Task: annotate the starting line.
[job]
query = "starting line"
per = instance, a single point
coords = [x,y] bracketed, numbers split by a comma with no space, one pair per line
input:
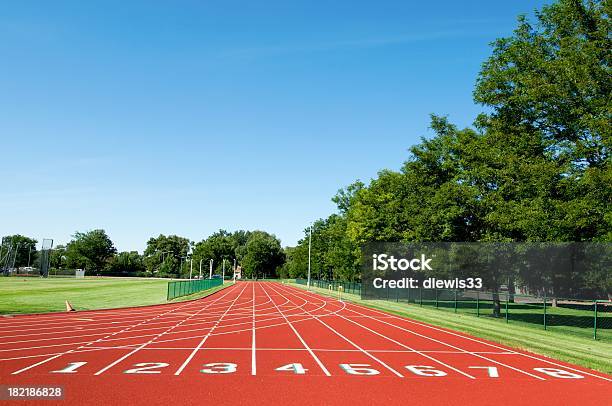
[360,369]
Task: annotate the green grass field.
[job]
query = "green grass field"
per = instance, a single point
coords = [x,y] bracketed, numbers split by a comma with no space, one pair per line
[36,295]
[554,343]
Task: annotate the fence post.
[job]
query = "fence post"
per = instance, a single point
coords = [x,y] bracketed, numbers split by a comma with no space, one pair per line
[397,295]
[477,303]
[595,321]
[436,298]
[507,298]
[421,296]
[544,309]
[455,300]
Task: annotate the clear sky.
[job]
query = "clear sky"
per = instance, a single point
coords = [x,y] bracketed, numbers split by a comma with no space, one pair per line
[184,117]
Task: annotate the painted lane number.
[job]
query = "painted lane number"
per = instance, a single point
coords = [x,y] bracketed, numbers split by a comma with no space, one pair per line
[146,368]
[298,369]
[295,368]
[70,368]
[219,368]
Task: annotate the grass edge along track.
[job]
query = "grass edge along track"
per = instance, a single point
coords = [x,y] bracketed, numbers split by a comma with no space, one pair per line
[36,295]
[576,350]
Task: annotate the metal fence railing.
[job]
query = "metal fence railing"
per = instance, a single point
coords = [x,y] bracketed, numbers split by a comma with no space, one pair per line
[348,287]
[184,288]
[582,317]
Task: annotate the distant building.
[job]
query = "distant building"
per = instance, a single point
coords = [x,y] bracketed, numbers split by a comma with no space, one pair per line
[238,273]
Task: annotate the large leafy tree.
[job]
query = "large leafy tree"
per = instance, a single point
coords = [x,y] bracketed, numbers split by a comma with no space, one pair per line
[263,255]
[535,168]
[550,87]
[89,250]
[125,264]
[164,255]
[220,246]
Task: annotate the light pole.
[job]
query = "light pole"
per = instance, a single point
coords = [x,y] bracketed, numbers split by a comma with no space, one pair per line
[201,259]
[223,272]
[309,249]
[211,265]
[190,267]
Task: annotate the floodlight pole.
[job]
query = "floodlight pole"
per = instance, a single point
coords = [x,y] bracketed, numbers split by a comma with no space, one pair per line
[211,265]
[190,267]
[223,272]
[201,259]
[309,249]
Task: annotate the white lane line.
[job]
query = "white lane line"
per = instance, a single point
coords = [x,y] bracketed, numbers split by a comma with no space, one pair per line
[450,345]
[491,345]
[127,318]
[253,346]
[106,368]
[485,343]
[317,360]
[306,317]
[98,340]
[201,343]
[347,340]
[407,347]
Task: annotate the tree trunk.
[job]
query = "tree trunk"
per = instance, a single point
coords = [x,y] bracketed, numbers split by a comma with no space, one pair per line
[496,303]
[511,290]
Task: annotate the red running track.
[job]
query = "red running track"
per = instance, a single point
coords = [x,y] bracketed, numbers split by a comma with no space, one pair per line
[263,343]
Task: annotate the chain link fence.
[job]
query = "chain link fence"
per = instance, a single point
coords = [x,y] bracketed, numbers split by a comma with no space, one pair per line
[184,288]
[582,317]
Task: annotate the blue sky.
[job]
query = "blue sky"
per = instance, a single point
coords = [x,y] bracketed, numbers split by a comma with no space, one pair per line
[184,117]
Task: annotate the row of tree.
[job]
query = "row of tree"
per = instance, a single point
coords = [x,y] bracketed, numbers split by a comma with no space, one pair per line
[536,167]
[257,252]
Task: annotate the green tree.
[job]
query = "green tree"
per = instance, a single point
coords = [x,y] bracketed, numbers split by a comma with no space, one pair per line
[125,264]
[90,250]
[263,255]
[164,255]
[219,246]
[549,87]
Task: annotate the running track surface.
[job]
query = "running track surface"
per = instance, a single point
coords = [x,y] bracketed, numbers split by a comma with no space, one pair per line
[270,343]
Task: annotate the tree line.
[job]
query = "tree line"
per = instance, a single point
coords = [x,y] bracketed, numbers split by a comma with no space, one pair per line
[535,167]
[257,252]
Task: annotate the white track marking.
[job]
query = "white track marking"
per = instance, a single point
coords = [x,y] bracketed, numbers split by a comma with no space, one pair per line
[407,347]
[317,360]
[484,342]
[100,339]
[201,343]
[305,318]
[253,346]
[46,318]
[348,340]
[109,318]
[124,347]
[446,344]
[112,364]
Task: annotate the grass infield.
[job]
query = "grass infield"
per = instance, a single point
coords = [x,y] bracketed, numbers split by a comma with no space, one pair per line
[37,295]
[577,350]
